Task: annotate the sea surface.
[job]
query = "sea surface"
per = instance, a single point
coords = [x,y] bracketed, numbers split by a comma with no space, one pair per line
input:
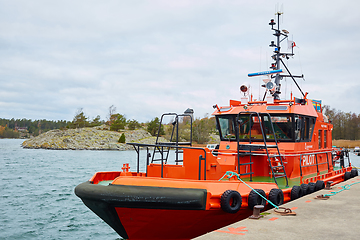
[37,199]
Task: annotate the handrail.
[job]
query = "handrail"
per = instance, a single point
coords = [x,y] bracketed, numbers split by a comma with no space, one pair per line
[175,127]
[138,145]
[316,160]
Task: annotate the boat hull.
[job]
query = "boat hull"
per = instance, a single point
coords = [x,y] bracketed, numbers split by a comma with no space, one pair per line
[143,212]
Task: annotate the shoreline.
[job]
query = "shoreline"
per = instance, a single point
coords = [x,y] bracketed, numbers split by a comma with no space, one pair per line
[88,139]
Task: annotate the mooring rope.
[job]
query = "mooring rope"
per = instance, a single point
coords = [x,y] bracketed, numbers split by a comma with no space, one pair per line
[345,187]
[230,174]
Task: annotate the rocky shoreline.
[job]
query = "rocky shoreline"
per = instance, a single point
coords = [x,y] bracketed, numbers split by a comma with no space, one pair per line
[96,138]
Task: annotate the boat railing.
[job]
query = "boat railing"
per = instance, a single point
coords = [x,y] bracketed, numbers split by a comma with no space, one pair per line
[163,160]
[317,163]
[160,148]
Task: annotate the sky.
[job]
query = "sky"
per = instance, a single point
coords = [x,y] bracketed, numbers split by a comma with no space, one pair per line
[151,57]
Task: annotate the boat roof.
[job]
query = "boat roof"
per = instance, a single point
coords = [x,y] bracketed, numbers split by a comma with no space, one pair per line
[304,107]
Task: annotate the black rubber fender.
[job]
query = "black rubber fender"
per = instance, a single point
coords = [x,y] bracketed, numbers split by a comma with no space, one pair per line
[312,187]
[276,196]
[295,192]
[347,176]
[304,189]
[254,198]
[231,201]
[319,185]
[354,173]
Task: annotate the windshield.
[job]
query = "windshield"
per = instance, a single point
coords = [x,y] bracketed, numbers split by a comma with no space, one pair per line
[227,127]
[251,126]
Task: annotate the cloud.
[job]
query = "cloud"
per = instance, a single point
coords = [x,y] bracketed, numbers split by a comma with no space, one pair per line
[150,57]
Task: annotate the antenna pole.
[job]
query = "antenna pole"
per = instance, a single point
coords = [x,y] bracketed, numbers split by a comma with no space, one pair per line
[277,51]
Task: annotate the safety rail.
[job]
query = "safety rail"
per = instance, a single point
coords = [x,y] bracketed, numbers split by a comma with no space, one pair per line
[137,147]
[174,138]
[316,161]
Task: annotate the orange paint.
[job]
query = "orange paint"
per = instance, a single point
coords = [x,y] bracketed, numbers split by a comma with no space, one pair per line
[237,231]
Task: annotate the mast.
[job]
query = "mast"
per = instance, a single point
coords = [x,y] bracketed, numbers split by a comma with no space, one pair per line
[277,57]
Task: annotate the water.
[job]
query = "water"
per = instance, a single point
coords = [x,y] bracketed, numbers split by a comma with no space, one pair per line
[37,191]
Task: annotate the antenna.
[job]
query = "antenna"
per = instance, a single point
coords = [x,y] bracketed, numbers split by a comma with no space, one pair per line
[277,73]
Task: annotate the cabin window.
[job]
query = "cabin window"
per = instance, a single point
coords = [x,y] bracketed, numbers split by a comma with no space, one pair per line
[249,127]
[227,127]
[282,126]
[325,138]
[304,127]
[320,139]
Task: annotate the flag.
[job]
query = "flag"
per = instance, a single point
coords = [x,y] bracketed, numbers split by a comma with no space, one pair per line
[291,44]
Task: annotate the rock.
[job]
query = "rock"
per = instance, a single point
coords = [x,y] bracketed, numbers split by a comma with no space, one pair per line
[96,138]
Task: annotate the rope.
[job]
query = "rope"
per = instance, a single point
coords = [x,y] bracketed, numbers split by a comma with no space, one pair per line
[345,187]
[230,174]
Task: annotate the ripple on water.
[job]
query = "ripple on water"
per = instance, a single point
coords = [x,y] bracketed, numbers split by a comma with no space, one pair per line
[38,192]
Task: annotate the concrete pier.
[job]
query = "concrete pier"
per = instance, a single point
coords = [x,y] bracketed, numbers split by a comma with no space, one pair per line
[335,218]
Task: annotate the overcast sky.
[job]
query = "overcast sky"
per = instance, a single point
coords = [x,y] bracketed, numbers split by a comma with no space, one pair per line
[151,57]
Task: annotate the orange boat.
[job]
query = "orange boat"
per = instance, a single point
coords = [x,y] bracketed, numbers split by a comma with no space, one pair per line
[271,151]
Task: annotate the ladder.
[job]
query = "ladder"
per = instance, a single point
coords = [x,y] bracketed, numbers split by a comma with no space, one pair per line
[162,149]
[275,161]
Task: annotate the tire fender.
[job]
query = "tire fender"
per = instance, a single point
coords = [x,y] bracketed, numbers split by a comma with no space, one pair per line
[312,187]
[305,189]
[295,192]
[347,176]
[354,173]
[276,196]
[254,198]
[230,201]
[319,185]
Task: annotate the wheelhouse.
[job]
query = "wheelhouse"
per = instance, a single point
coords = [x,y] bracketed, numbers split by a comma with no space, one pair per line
[288,127]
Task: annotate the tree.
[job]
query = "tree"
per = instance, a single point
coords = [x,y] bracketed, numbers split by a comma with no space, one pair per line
[118,121]
[112,111]
[79,120]
[153,127]
[133,124]
[122,138]
[202,129]
[96,121]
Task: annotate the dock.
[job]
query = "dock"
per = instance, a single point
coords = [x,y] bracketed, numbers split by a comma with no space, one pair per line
[335,218]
